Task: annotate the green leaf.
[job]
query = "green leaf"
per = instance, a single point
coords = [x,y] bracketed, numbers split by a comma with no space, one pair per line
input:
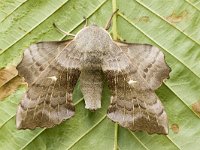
[173,26]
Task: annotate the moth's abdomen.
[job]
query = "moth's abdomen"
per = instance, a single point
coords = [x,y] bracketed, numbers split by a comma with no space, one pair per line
[91,86]
[91,79]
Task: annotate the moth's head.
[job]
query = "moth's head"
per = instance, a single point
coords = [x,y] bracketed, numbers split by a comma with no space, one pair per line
[92,38]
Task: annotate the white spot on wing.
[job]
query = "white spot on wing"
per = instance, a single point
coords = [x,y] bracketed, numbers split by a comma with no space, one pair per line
[132,83]
[53,78]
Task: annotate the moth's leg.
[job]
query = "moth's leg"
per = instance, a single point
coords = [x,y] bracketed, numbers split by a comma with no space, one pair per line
[62,31]
[108,24]
[91,84]
[86,21]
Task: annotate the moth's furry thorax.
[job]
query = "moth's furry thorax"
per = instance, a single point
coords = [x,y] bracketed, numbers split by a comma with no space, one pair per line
[93,39]
[92,42]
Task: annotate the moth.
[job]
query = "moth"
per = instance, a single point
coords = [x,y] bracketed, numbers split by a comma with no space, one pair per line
[133,72]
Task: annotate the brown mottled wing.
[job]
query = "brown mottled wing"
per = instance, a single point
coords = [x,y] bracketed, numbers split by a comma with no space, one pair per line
[149,60]
[51,70]
[134,104]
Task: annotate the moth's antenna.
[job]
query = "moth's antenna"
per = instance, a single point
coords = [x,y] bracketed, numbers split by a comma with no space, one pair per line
[108,24]
[86,21]
[62,31]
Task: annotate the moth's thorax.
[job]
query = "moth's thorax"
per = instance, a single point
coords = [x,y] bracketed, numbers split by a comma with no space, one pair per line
[93,39]
[91,61]
[92,42]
